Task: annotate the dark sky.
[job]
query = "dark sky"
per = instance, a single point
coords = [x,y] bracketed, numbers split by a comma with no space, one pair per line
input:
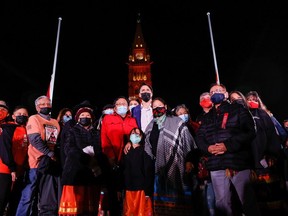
[250,41]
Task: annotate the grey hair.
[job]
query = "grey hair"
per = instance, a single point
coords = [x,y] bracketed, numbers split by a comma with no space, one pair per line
[203,94]
[181,106]
[39,98]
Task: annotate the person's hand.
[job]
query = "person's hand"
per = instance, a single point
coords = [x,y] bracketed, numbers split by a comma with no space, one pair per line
[217,148]
[212,149]
[127,147]
[14,177]
[53,158]
[189,167]
[220,148]
[89,150]
[112,162]
[119,195]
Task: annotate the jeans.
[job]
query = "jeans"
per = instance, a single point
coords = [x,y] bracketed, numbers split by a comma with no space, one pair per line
[210,198]
[241,182]
[29,193]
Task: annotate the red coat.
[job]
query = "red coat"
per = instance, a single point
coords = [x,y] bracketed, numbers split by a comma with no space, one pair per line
[14,147]
[114,134]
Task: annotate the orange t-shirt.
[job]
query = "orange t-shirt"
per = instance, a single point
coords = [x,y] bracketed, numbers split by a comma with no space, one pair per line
[49,131]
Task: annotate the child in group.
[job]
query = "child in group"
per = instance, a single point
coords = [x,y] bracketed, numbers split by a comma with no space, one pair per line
[137,196]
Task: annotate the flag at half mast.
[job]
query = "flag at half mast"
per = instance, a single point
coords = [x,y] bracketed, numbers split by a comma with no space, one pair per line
[51,85]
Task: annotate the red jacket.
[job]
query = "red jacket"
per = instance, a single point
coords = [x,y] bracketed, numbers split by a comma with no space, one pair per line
[14,145]
[114,134]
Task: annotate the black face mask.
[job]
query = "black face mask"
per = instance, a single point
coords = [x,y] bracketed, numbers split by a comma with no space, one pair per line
[85,121]
[21,119]
[146,96]
[45,110]
[239,101]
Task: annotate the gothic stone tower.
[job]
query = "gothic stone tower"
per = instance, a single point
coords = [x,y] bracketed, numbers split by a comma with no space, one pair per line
[139,64]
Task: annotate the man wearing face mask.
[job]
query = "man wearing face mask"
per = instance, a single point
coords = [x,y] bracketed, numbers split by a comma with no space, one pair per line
[115,131]
[143,112]
[43,173]
[7,164]
[225,136]
[14,158]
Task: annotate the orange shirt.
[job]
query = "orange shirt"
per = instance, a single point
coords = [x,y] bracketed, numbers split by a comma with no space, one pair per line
[49,131]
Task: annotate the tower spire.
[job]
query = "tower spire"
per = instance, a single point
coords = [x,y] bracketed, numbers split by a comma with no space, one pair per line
[139,62]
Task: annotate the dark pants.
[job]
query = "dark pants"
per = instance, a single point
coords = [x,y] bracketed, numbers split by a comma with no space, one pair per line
[45,186]
[49,195]
[5,184]
[15,196]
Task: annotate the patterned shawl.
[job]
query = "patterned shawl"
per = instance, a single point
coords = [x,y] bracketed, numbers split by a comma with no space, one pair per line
[174,142]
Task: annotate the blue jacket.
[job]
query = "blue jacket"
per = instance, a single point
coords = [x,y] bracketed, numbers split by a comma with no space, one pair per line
[136,113]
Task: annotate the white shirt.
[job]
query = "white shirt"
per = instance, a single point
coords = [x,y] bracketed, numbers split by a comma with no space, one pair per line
[146,117]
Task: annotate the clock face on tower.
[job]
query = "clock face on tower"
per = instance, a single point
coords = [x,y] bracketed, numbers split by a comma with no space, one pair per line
[139,55]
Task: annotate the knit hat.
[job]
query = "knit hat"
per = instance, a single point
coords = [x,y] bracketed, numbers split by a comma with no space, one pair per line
[108,106]
[84,109]
[85,103]
[4,104]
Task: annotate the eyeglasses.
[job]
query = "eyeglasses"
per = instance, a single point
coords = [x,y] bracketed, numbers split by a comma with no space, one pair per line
[217,91]
[121,104]
[43,104]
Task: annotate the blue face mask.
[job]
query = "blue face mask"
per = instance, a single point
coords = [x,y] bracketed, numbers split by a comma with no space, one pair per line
[135,138]
[108,111]
[217,98]
[184,117]
[121,110]
[66,118]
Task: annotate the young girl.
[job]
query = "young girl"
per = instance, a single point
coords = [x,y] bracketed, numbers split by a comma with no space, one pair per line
[137,196]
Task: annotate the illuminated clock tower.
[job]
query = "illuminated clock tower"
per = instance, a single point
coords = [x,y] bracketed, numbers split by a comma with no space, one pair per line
[139,64]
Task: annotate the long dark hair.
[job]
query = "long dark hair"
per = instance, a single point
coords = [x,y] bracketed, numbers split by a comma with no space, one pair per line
[142,134]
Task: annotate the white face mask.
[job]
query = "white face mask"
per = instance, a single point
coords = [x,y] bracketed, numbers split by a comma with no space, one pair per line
[131,107]
[108,111]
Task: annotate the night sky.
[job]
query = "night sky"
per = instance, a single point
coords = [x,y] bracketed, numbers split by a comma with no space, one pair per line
[250,41]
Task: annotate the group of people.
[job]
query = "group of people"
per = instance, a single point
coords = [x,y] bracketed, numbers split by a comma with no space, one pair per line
[141,157]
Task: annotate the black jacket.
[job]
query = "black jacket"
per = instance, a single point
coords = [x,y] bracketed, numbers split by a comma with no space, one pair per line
[78,165]
[6,137]
[237,134]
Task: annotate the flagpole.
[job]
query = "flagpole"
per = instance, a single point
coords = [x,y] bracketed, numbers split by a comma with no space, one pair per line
[213,50]
[51,86]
